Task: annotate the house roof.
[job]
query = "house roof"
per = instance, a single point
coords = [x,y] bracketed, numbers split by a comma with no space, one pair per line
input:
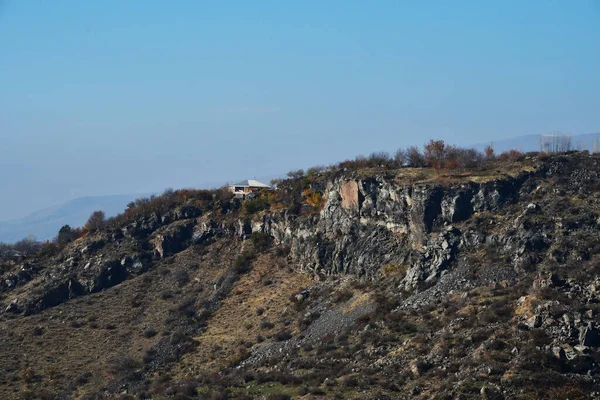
[250,183]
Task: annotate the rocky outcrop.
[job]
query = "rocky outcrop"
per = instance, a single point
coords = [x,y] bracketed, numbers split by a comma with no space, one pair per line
[366,224]
[24,273]
[50,295]
[103,276]
[173,238]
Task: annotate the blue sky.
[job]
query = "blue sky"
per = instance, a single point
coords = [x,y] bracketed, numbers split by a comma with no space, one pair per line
[109,97]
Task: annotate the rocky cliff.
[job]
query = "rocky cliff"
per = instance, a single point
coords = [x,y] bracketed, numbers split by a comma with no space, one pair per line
[365,224]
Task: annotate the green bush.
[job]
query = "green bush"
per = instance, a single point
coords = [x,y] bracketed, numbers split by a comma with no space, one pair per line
[243,262]
[260,241]
[256,204]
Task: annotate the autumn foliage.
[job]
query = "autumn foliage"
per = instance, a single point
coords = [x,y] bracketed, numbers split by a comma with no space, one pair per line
[314,199]
[435,154]
[96,221]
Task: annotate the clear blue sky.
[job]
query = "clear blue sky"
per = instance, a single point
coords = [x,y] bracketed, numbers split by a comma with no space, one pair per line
[108,97]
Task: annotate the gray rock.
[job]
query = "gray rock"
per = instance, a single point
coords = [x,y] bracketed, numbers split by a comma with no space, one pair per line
[535,321]
[590,336]
[559,353]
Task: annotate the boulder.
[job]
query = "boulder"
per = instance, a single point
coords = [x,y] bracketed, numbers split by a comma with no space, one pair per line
[534,322]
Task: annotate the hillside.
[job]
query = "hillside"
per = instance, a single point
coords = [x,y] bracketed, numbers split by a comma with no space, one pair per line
[44,224]
[361,281]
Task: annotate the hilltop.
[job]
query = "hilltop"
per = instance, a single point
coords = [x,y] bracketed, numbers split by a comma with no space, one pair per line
[472,278]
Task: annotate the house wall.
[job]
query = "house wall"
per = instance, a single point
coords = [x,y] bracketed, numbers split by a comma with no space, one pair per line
[244,190]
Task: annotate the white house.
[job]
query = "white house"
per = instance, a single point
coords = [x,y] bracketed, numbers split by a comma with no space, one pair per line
[241,189]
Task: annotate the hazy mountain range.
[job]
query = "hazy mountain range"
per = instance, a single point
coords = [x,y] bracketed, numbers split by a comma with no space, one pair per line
[44,224]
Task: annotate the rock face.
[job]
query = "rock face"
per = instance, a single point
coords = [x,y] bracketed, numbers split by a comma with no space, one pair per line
[367,224]
[349,195]
[173,238]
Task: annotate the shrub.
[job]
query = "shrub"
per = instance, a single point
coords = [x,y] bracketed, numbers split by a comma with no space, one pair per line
[435,154]
[400,157]
[28,375]
[350,380]
[125,367]
[414,157]
[266,324]
[241,355]
[24,247]
[315,171]
[279,397]
[296,174]
[82,379]
[96,221]
[260,241]
[510,155]
[165,295]
[282,251]
[394,270]
[283,335]
[77,324]
[314,199]
[457,159]
[379,159]
[149,333]
[181,277]
[243,263]
[191,199]
[66,234]
[256,204]
[187,307]
[342,295]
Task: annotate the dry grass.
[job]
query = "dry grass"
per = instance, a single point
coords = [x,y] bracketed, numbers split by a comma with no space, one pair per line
[71,347]
[267,287]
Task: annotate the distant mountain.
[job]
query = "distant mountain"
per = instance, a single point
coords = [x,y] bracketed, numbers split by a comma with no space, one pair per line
[531,143]
[44,224]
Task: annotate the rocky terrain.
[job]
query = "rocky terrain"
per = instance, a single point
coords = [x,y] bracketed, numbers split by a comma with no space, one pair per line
[364,283]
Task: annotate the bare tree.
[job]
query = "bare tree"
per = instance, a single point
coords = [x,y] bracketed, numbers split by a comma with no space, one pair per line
[563,143]
[400,157]
[378,159]
[414,157]
[555,143]
[24,247]
[296,174]
[96,221]
[435,154]
[489,152]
